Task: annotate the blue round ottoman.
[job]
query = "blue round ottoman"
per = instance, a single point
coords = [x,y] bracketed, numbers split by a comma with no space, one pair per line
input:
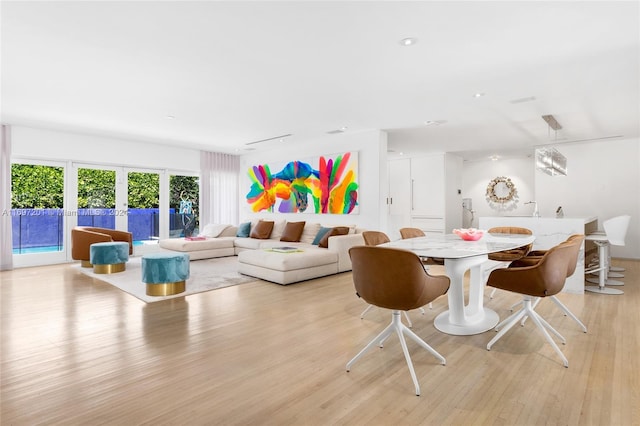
[108,258]
[165,273]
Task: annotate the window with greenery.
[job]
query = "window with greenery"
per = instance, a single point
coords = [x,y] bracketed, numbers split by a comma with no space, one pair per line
[96,188]
[37,201]
[36,187]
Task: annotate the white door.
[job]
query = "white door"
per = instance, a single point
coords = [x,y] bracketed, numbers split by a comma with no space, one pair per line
[427,186]
[399,200]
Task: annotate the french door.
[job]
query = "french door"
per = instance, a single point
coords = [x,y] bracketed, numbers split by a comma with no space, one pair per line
[38,210]
[50,198]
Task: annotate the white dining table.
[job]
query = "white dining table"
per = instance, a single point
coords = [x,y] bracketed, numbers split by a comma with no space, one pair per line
[459,257]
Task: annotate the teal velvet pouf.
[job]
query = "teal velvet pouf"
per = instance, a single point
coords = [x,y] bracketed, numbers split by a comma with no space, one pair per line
[165,273]
[109,257]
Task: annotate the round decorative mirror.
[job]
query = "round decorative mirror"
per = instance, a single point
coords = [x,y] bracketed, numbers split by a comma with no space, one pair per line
[502,194]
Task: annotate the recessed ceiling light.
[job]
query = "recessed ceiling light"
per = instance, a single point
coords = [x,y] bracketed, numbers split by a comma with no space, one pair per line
[430,123]
[169,117]
[478,95]
[409,41]
[494,158]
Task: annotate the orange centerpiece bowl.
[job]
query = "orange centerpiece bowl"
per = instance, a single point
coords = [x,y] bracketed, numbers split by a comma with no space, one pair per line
[469,234]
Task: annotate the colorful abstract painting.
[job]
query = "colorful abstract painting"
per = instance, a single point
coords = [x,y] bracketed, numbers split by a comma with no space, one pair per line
[324,185]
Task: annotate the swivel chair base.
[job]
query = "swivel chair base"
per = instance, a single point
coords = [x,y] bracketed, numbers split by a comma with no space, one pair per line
[541,324]
[400,329]
[557,301]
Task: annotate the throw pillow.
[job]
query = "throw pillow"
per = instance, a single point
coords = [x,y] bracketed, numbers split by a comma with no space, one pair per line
[213,230]
[278,229]
[262,230]
[244,229]
[321,233]
[309,233]
[292,232]
[338,230]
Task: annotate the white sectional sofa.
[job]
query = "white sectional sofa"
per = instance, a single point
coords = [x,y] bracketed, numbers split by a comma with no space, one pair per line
[256,258]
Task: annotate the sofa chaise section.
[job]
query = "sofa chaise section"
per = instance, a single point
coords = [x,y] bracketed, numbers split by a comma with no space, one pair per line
[201,249]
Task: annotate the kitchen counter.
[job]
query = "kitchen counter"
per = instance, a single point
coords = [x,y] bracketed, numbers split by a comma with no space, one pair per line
[549,232]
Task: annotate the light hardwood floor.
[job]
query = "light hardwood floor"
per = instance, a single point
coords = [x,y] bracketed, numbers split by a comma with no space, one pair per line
[80,352]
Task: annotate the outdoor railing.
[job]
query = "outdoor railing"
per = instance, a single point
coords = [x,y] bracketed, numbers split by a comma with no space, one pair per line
[41,230]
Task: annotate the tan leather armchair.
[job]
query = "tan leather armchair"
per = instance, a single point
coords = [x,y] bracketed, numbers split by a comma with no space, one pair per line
[536,256]
[375,238]
[544,279]
[395,279]
[510,255]
[507,256]
[83,236]
[406,233]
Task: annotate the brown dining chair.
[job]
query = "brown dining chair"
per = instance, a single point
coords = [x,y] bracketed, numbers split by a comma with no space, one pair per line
[375,238]
[406,233]
[505,257]
[395,279]
[544,279]
[535,256]
[411,233]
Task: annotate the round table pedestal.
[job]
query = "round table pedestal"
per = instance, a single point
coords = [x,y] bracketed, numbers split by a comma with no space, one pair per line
[483,321]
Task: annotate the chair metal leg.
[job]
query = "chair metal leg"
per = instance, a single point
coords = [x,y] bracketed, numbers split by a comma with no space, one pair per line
[538,321]
[492,293]
[407,357]
[405,314]
[507,319]
[365,311]
[533,306]
[562,307]
[383,335]
[400,329]
[568,312]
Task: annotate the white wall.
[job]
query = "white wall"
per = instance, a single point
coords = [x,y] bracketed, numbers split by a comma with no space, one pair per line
[603,180]
[372,170]
[63,146]
[476,175]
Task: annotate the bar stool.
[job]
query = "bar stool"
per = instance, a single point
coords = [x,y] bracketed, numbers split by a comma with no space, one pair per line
[615,230]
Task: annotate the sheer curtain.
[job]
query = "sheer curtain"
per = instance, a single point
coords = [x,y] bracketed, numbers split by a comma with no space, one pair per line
[6,256]
[218,188]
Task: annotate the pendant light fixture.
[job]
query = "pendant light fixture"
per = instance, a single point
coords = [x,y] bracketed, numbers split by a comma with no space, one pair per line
[548,159]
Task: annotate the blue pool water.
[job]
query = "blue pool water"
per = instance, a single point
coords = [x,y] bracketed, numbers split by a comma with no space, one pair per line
[47,249]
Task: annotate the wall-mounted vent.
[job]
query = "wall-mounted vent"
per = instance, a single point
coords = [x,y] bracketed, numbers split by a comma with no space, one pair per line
[523,100]
[337,131]
[269,139]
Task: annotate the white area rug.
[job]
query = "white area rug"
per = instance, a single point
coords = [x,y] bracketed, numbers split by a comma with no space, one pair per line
[204,275]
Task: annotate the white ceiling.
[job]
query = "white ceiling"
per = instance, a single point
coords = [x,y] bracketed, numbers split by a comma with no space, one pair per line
[237,72]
